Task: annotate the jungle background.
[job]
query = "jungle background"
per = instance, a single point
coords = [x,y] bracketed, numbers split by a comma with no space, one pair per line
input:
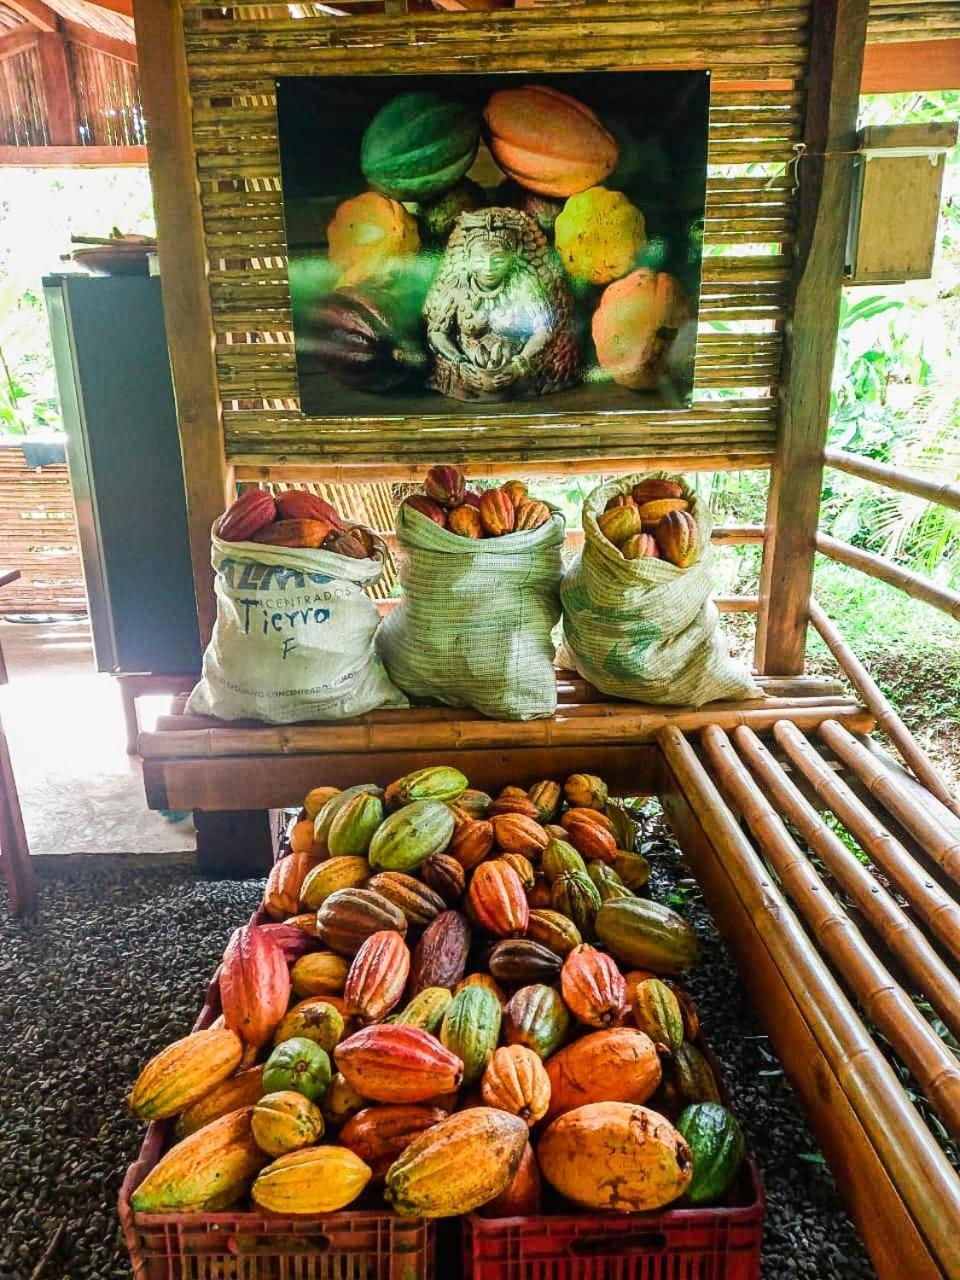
[896,399]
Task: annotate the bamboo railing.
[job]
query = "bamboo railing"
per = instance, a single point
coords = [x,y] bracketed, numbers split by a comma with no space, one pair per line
[885,570]
[941,492]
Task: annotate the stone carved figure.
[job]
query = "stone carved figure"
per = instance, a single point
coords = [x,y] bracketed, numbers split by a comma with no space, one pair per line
[500,313]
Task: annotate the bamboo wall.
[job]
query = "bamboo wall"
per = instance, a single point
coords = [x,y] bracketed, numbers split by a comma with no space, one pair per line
[107,94]
[23,118]
[38,536]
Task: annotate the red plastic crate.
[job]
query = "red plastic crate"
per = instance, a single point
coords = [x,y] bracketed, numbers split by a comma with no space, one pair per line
[353,1244]
[717,1243]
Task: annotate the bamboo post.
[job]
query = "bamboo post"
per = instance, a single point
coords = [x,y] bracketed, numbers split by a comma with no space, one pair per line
[838,32]
[943,493]
[888,721]
[879,908]
[895,575]
[930,902]
[888,1007]
[917,1166]
[940,844]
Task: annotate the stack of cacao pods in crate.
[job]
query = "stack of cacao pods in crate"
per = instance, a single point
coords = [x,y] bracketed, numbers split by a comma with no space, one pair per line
[448,1002]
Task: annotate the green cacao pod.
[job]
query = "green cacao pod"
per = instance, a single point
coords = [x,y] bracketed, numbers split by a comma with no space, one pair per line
[656,1011]
[559,857]
[575,895]
[646,935]
[718,1146]
[411,835]
[536,1016]
[298,1064]
[324,819]
[438,782]
[352,829]
[327,877]
[608,883]
[419,145]
[692,1077]
[632,868]
[546,797]
[425,1010]
[471,1028]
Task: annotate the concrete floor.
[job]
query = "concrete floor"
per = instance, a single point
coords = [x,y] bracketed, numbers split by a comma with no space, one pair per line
[79,790]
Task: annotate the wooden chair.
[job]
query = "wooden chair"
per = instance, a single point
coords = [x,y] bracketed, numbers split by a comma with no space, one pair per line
[14,852]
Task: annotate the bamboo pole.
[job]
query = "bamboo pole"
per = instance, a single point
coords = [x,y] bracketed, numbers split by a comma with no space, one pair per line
[886,571]
[917,1166]
[887,1006]
[939,843]
[925,897]
[879,908]
[888,721]
[943,493]
[589,725]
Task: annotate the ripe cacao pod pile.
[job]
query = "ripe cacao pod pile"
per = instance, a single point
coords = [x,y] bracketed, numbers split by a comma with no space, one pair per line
[448,502]
[294,518]
[468,995]
[653,520]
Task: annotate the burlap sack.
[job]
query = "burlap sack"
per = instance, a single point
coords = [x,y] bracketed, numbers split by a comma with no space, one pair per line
[473,628]
[293,639]
[644,629]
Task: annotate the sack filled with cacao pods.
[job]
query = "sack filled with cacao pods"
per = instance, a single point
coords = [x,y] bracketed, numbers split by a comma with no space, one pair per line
[473,627]
[294,636]
[638,620]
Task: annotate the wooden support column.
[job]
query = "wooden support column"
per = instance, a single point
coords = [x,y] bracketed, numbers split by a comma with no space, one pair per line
[183,271]
[58,96]
[836,57]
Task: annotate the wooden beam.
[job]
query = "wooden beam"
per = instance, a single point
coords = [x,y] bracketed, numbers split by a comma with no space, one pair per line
[58,95]
[116,6]
[186,297]
[72,157]
[886,571]
[18,39]
[836,55]
[943,493]
[77,33]
[37,13]
[917,66]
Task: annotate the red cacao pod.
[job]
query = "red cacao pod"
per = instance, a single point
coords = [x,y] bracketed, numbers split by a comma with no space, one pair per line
[497,512]
[472,841]
[377,977]
[522,1197]
[497,899]
[393,1063]
[655,487]
[254,985]
[471,498]
[254,509]
[379,1134]
[427,507]
[445,876]
[440,957]
[293,533]
[592,986]
[298,504]
[445,484]
[591,840]
[679,539]
[292,940]
[465,522]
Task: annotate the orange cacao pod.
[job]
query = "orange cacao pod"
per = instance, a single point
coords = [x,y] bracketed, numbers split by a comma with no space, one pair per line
[471,843]
[281,897]
[679,539]
[514,804]
[353,543]
[497,512]
[506,792]
[516,491]
[523,867]
[619,523]
[531,515]
[242,1089]
[554,930]
[591,840]
[444,484]
[445,876]
[254,509]
[587,815]
[642,546]
[545,797]
[516,833]
[392,1063]
[540,895]
[620,1065]
[651,513]
[440,957]
[465,521]
[497,899]
[620,500]
[298,504]
[254,985]
[293,533]
[514,1080]
[482,980]
[183,1072]
[585,791]
[377,976]
[592,986]
[302,841]
[417,901]
[427,507]
[379,1134]
[654,488]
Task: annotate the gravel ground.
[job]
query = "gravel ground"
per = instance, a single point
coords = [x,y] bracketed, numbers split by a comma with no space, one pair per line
[115,967]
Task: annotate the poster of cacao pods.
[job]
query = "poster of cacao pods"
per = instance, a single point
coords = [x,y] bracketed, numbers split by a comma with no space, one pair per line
[467,240]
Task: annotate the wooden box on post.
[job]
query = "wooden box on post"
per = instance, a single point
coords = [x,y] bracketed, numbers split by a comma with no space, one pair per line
[898,179]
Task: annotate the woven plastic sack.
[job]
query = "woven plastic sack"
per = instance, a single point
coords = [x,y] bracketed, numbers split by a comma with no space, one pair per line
[473,627]
[644,629]
[294,637]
